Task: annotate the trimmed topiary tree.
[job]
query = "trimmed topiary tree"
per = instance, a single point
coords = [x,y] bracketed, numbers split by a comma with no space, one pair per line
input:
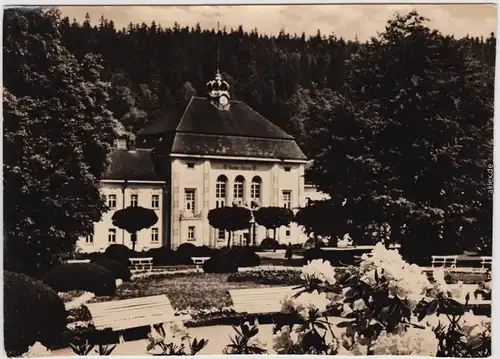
[273,218]
[89,277]
[32,312]
[230,219]
[133,219]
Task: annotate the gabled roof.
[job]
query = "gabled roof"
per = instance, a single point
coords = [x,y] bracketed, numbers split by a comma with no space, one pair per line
[204,129]
[131,165]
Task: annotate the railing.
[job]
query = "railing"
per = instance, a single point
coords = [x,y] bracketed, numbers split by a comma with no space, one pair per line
[191,215]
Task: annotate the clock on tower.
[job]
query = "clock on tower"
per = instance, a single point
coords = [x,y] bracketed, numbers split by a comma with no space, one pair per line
[218,92]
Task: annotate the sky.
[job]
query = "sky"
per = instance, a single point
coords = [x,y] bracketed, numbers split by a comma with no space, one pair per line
[346,20]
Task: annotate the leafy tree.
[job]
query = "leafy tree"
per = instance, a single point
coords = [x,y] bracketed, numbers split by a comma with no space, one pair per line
[412,133]
[133,219]
[57,134]
[273,218]
[230,219]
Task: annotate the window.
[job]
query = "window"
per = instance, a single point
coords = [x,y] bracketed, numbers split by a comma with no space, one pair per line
[154,235]
[191,236]
[220,191]
[239,185]
[287,199]
[255,188]
[112,235]
[155,201]
[112,201]
[287,232]
[190,165]
[189,200]
[89,239]
[221,235]
[134,200]
[287,169]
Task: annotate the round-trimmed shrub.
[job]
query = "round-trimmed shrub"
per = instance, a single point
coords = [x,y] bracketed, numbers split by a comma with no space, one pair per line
[119,270]
[244,256]
[164,256]
[32,312]
[269,243]
[96,256]
[89,277]
[185,251]
[220,263]
[118,252]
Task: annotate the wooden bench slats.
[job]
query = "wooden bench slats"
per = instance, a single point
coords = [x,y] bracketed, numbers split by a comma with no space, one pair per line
[136,309]
[444,260]
[127,302]
[135,323]
[131,313]
[259,300]
[141,263]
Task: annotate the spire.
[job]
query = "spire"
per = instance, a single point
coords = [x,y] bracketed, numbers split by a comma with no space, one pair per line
[218,89]
[218,48]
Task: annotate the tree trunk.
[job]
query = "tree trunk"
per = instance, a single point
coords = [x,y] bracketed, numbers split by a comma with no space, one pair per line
[229,239]
[133,238]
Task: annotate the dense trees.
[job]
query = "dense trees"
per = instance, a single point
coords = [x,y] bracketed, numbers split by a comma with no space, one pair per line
[57,133]
[400,127]
[403,150]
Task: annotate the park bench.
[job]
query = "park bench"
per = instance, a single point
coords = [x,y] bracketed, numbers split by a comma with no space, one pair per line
[486,262]
[141,263]
[71,261]
[119,315]
[199,260]
[260,300]
[443,261]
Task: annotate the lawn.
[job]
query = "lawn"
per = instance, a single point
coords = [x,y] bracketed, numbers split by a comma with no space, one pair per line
[194,290]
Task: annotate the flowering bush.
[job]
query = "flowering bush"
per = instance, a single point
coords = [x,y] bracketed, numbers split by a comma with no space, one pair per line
[173,339]
[385,301]
[37,350]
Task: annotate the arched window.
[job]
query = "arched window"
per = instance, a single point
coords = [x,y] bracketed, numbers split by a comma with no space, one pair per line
[239,188]
[220,191]
[255,188]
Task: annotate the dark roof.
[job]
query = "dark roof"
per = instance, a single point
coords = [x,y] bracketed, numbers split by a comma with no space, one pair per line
[240,131]
[201,144]
[131,165]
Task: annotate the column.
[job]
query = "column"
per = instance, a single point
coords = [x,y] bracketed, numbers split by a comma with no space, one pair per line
[176,235]
[275,186]
[207,233]
[300,193]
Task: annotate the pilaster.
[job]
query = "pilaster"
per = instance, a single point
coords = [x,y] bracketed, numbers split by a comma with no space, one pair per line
[301,193]
[275,185]
[207,234]
[175,206]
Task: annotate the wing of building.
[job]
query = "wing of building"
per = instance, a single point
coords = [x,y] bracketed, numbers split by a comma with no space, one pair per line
[215,152]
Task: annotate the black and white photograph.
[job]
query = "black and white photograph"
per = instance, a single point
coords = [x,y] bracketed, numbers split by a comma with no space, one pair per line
[281,179]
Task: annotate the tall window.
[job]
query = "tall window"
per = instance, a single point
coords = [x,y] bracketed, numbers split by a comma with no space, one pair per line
[189,200]
[221,235]
[112,235]
[191,234]
[89,239]
[134,200]
[155,201]
[154,235]
[239,185]
[255,188]
[220,191]
[287,199]
[112,201]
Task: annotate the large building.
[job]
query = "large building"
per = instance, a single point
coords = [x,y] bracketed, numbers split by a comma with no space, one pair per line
[217,152]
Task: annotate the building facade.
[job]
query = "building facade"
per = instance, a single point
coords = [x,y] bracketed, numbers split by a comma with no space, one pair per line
[216,152]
